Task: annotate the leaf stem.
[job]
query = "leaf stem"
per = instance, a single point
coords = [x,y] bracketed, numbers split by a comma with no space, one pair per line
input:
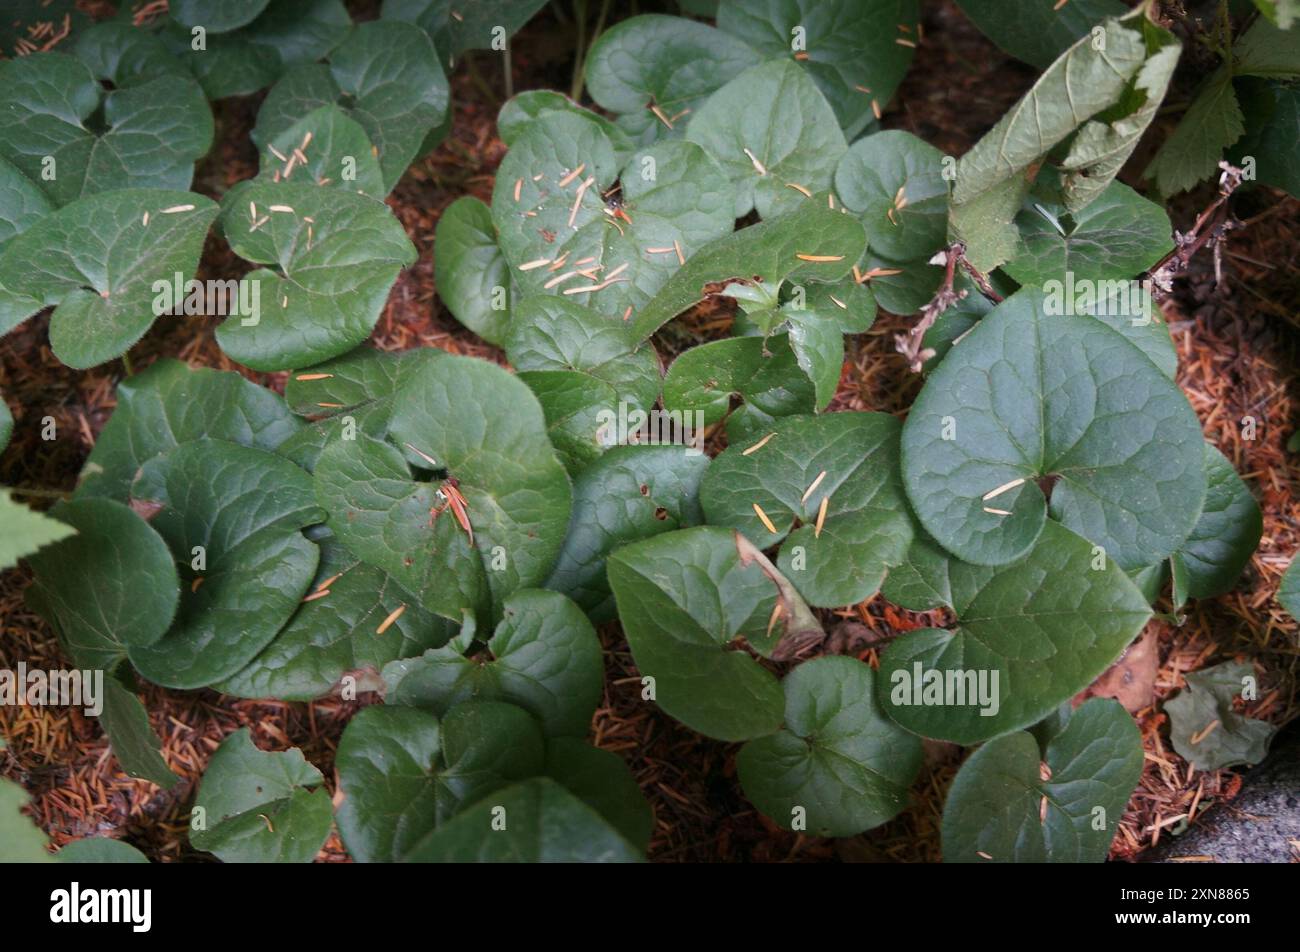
[41,493]
[580,51]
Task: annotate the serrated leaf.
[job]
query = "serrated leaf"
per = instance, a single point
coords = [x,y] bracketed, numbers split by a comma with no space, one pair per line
[994,177]
[1031,635]
[1209,562]
[544,657]
[1034,32]
[1001,809]
[245,508]
[684,597]
[338,154]
[171,403]
[1206,729]
[1118,236]
[403,772]
[110,586]
[520,111]
[848,459]
[25,531]
[97,262]
[673,197]
[770,251]
[459,27]
[22,203]
[600,779]
[288,33]
[630,493]
[1030,395]
[153,131]
[387,77]
[776,112]
[765,373]
[838,765]
[1192,152]
[664,63]
[857,50]
[470,272]
[334,256]
[338,633]
[261,807]
[894,183]
[545,823]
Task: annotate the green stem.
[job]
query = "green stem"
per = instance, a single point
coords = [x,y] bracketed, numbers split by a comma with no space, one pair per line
[580,51]
[126,363]
[510,74]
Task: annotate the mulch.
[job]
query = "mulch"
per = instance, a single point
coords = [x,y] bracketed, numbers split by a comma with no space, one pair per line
[1237,343]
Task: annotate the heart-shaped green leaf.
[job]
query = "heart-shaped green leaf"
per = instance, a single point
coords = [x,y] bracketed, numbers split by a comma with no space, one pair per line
[630,493]
[458,27]
[1016,802]
[338,632]
[260,807]
[1030,636]
[838,766]
[1030,395]
[109,587]
[600,779]
[855,50]
[654,71]
[568,233]
[337,151]
[171,403]
[1119,235]
[387,77]
[684,598]
[334,255]
[122,55]
[25,531]
[153,131]
[1205,727]
[543,657]
[894,183]
[846,461]
[543,823]
[216,16]
[231,516]
[1038,33]
[484,428]
[22,203]
[402,772]
[288,33]
[470,271]
[811,245]
[770,129]
[765,373]
[102,262]
[1209,562]
[929,577]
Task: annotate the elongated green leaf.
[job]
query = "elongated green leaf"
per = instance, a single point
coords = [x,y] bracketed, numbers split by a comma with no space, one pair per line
[838,766]
[102,262]
[1204,726]
[1225,537]
[856,50]
[543,823]
[470,271]
[654,71]
[403,772]
[260,807]
[1030,395]
[894,182]
[544,657]
[673,198]
[231,516]
[848,460]
[334,256]
[996,174]
[1005,808]
[1192,152]
[1038,32]
[630,493]
[25,531]
[110,586]
[684,597]
[136,746]
[153,131]
[1030,636]
[171,403]
[387,77]
[769,128]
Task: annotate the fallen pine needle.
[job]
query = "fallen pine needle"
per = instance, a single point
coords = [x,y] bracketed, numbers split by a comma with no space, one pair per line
[395,614]
[762,516]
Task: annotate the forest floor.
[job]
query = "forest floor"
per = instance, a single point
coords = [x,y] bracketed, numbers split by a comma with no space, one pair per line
[1237,342]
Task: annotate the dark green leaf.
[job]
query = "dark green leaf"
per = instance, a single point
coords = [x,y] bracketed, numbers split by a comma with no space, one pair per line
[894,183]
[600,779]
[470,271]
[1225,537]
[1038,32]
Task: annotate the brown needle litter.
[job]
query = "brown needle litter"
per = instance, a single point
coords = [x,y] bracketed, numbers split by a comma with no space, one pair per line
[821,517]
[812,487]
[758,446]
[762,516]
[395,614]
